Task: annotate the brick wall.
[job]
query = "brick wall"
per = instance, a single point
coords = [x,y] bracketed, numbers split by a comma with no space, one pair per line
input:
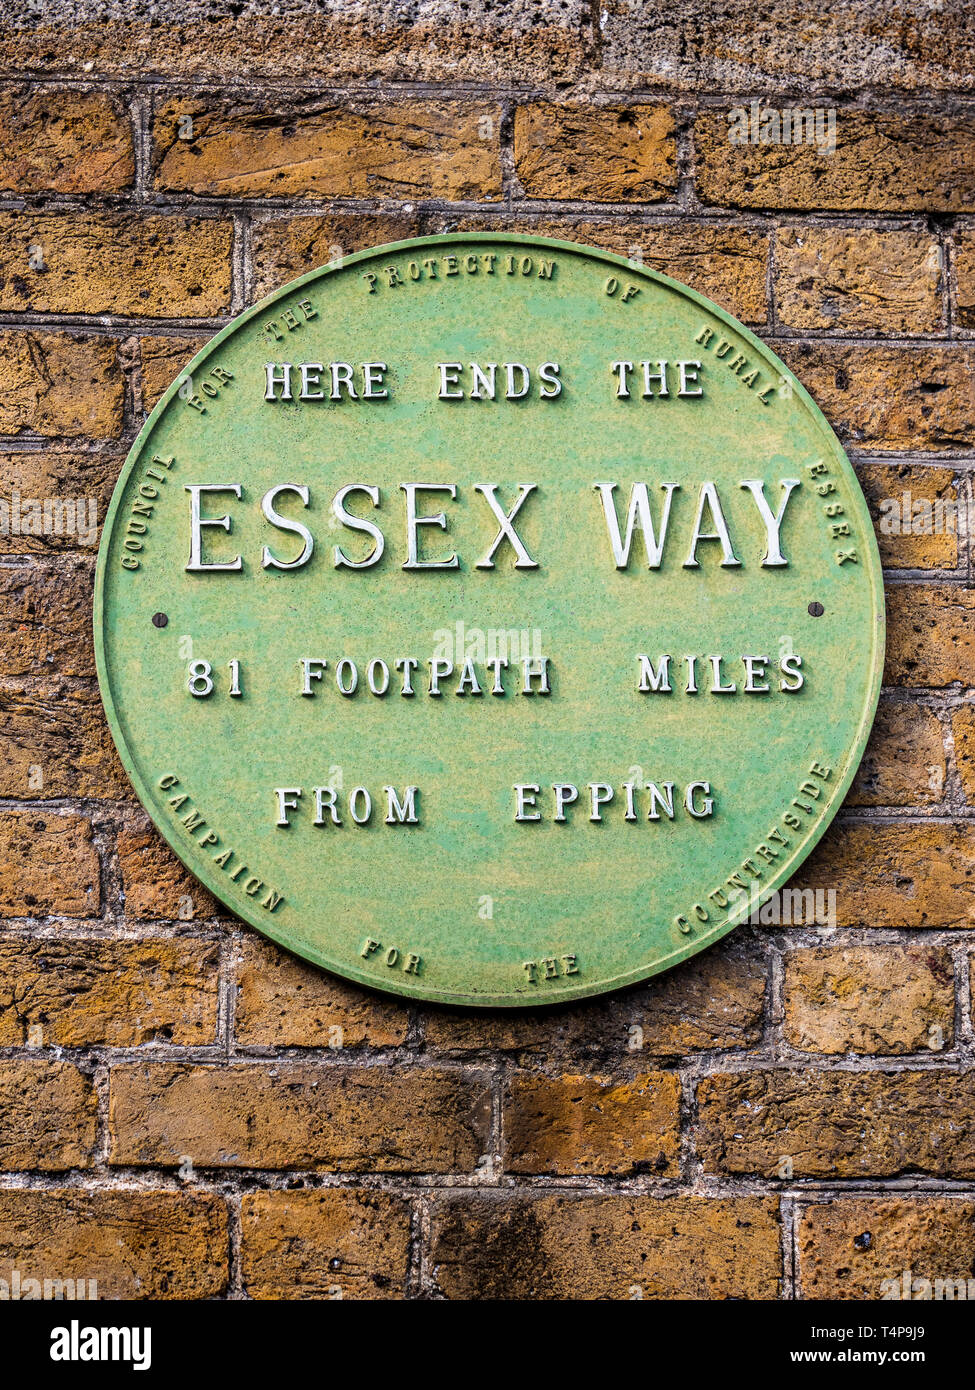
[790,1115]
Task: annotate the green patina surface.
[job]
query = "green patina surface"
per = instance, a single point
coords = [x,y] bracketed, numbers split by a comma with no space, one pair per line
[470,905]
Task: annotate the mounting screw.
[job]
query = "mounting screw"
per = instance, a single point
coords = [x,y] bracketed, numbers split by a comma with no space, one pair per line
[816,610]
[160,619]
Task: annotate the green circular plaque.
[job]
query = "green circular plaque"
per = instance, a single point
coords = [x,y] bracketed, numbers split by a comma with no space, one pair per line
[489,619]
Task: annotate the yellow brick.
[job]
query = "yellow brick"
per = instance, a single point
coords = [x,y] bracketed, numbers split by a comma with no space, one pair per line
[83,993]
[593,1124]
[64,141]
[299,1115]
[883,162]
[625,154]
[288,247]
[48,865]
[115,263]
[859,281]
[344,1243]
[154,881]
[284,1002]
[904,764]
[60,384]
[852,1247]
[47,1115]
[418,149]
[917,514]
[896,875]
[890,398]
[162,359]
[879,999]
[142,1244]
[727,264]
[529,1246]
[930,635]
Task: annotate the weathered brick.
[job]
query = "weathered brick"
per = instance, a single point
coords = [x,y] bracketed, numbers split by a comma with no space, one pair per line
[851,1247]
[883,162]
[54,742]
[904,764]
[881,999]
[713,1001]
[154,882]
[916,514]
[930,635]
[896,398]
[162,359]
[288,247]
[342,1243]
[963,253]
[47,1115]
[405,149]
[704,44]
[896,875]
[342,40]
[821,1124]
[333,1117]
[728,264]
[284,1002]
[523,1247]
[603,154]
[963,732]
[48,865]
[63,498]
[60,384]
[63,141]
[859,281]
[891,398]
[85,993]
[593,1124]
[905,48]
[45,617]
[115,263]
[133,1244]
